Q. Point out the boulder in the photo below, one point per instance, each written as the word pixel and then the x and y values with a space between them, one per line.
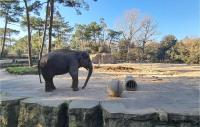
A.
pixel 9 111
pixel 85 113
pixel 43 112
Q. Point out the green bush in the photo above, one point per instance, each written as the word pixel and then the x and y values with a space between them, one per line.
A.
pixel 22 70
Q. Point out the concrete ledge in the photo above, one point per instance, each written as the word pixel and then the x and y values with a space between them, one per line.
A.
pixel 9 111
pixel 130 113
pixel 55 112
pixel 43 112
pixel 85 113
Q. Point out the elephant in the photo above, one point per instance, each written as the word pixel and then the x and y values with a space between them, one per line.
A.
pixel 62 61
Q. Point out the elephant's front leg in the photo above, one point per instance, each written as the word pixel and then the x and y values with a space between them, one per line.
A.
pixel 74 74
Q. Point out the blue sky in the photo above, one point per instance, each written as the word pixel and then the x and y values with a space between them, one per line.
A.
pixel 178 17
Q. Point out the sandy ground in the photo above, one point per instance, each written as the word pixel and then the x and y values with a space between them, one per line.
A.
pixel 150 78
pixel 169 87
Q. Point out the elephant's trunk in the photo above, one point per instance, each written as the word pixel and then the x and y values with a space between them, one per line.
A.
pixel 90 70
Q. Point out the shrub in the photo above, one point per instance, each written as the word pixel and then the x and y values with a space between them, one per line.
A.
pixel 22 70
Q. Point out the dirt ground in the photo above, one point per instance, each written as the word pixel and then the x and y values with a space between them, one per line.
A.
pixel 150 77
pixel 149 70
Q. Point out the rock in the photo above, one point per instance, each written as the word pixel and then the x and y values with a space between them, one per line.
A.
pixel 9 111
pixel 85 113
pixel 186 125
pixel 181 117
pixel 114 88
pixel 163 116
pixel 164 125
pixel 41 112
pixel 119 112
pixel 116 114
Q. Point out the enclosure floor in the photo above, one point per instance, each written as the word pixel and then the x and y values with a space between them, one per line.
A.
pixel 180 94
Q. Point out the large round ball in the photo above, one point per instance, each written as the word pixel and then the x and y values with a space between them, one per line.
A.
pixel 114 88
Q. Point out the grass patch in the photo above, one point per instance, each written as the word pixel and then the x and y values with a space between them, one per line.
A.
pixel 22 70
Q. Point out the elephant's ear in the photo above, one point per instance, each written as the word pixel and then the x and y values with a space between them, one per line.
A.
pixel 82 55
pixel 85 55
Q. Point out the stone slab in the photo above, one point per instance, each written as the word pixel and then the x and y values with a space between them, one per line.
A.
pixel 85 113
pixel 9 111
pixel 44 112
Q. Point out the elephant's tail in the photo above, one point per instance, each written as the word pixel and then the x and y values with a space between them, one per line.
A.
pixel 39 71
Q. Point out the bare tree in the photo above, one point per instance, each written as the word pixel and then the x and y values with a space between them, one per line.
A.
pixel 148 30
pixel 129 25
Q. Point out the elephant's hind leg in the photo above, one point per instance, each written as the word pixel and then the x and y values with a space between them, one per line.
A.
pixel 49 85
pixel 74 81
pixel 52 87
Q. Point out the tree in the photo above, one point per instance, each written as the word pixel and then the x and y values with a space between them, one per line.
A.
pixel 21 45
pixel 166 44
pixel 188 50
pixel 113 36
pixel 67 3
pixel 151 50
pixel 82 34
pixel 148 30
pixel 9 37
pixel 194 57
pixel 179 53
pixel 35 6
pixel 45 28
pixel 95 31
pixel 10 11
pixel 129 25
pixel 36 23
pixel 104 28
pixel 51 23
pixel 61 29
pixel 123 49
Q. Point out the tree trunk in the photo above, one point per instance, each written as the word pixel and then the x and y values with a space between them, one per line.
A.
pixel 4 37
pixel 51 23
pixel 45 29
pixel 29 34
pixel 143 46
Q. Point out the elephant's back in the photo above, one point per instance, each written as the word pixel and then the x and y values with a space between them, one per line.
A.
pixel 56 60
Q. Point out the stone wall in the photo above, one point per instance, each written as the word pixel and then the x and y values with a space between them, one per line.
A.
pixel 44 112
pixel 103 58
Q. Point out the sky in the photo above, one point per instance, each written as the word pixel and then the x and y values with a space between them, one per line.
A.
pixel 178 17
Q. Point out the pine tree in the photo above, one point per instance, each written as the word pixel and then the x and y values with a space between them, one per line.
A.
pixel 10 11
pixel 33 7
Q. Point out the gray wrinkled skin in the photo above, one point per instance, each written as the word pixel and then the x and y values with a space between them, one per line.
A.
pixel 64 61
